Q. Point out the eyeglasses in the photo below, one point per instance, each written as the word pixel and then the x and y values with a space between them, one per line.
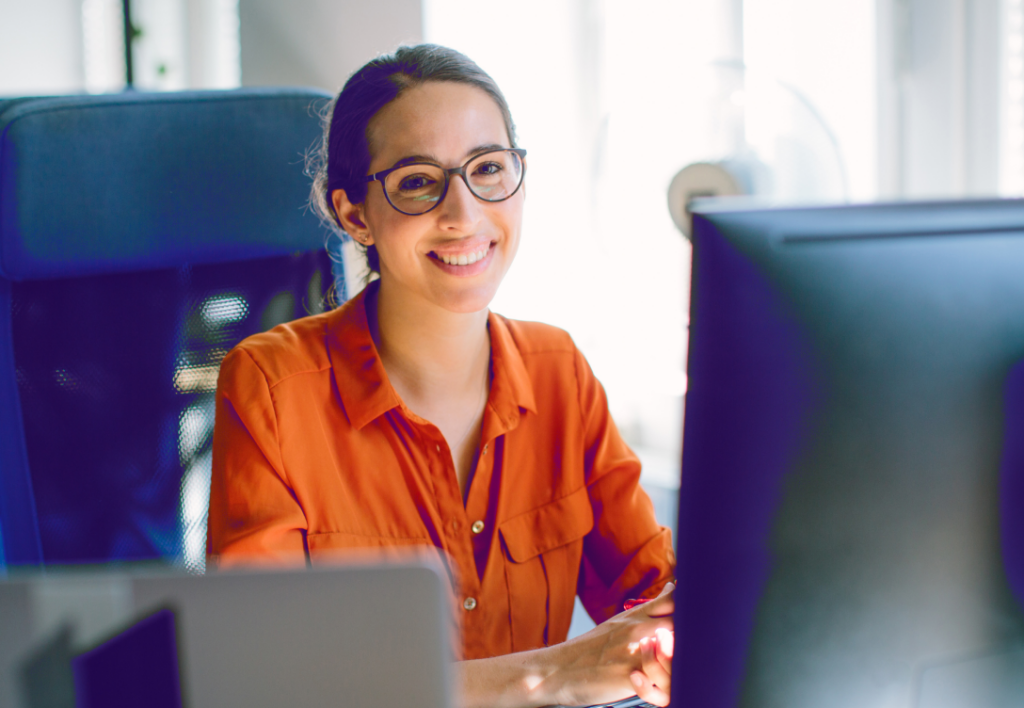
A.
pixel 418 187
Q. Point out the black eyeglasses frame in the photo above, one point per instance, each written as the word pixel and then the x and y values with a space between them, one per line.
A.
pixel 461 170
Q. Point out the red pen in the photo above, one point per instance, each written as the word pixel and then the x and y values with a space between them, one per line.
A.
pixel 632 602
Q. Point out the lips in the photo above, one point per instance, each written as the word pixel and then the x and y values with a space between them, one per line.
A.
pixel 465 262
pixel 463 257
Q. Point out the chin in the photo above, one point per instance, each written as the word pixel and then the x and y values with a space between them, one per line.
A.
pixel 474 300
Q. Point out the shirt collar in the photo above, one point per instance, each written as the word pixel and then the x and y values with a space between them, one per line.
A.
pixel 359 373
pixel 511 388
pixel 367 394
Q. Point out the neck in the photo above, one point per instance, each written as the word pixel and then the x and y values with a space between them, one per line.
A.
pixel 427 350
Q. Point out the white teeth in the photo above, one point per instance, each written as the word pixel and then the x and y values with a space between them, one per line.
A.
pixel 465 259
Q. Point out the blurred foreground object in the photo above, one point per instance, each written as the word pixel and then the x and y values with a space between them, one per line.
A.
pixel 851 520
pixel 361 635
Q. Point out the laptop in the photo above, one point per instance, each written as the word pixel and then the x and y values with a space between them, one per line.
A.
pixel 361 635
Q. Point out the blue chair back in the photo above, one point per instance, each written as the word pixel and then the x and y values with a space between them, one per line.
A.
pixel 141 237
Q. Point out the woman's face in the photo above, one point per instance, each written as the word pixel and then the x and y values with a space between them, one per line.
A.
pixel 446 123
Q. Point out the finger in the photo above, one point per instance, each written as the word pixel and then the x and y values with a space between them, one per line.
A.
pixel 656 671
pixel 666 643
pixel 663 604
pixel 649 626
pixel 647 690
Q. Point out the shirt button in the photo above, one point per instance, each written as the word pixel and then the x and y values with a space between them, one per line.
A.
pixel 470 603
pixel 485 449
pixel 437 447
pixel 477 526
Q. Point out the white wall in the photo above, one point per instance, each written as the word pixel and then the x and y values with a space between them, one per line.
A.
pixel 320 42
pixel 40 47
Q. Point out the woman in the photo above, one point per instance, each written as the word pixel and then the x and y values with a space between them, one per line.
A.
pixel 411 415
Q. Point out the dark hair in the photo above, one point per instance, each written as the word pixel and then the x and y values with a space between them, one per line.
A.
pixel 343 158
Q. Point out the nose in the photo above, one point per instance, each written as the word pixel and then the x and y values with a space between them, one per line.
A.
pixel 460 209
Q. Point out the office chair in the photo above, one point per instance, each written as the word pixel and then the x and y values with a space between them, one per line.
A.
pixel 141 237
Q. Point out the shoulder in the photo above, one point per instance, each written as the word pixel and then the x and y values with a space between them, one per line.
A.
pixel 547 355
pixel 537 339
pixel 287 350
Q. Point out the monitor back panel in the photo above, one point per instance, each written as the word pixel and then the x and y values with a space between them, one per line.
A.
pixel 852 502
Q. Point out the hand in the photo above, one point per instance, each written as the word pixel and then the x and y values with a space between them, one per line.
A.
pixel 630 653
pixel 654 683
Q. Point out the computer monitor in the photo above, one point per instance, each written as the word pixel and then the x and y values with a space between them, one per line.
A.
pixel 851 512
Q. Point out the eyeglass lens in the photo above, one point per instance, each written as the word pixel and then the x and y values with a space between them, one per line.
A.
pixel 492 176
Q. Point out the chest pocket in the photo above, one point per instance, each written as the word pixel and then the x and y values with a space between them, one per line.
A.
pixel 542 553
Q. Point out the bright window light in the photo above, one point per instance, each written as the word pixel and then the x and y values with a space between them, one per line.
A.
pixel 180 45
pixel 103 43
pixel 1012 163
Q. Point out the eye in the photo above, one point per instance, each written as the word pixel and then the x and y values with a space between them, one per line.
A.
pixel 489 168
pixel 414 183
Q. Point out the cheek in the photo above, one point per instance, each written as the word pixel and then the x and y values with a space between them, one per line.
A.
pixel 385 225
pixel 513 222
pixel 396 238
pixel 379 217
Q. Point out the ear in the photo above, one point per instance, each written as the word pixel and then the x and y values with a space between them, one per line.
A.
pixel 351 218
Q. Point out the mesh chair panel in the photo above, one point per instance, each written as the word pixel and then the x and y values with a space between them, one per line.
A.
pixel 116 375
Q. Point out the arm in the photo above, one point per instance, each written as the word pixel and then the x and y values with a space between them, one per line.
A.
pixel 254 516
pixel 626 555
pixel 606 664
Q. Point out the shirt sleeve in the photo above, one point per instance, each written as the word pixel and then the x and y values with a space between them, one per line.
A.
pixel 254 517
pixel 627 554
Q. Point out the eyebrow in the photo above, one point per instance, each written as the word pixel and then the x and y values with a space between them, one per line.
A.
pixel 430 158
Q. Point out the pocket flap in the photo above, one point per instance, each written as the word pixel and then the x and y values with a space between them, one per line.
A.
pixel 550 526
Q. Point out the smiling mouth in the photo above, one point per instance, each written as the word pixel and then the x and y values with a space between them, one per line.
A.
pixel 461 259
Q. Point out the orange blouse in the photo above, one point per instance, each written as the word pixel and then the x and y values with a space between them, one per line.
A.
pixel 315 454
